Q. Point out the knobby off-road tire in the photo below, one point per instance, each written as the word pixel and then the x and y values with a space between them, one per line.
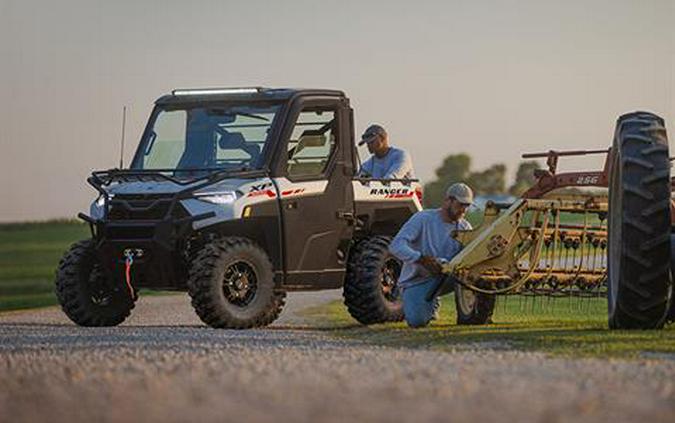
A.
pixel 371 291
pixel 639 281
pixel 85 295
pixel 231 283
pixel 473 308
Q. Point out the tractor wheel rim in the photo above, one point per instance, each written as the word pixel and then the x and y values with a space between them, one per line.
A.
pixel 467 299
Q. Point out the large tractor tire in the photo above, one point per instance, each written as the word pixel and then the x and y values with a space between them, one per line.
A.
pixel 639 281
pixel 85 295
pixel 473 308
pixel 231 283
pixel 371 291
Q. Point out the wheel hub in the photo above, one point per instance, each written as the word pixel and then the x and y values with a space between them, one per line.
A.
pixel 389 281
pixel 467 299
pixel 239 283
pixel 98 293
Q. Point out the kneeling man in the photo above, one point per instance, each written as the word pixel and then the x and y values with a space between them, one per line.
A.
pixel 422 242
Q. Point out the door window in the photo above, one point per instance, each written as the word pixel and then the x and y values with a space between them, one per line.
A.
pixel 312 143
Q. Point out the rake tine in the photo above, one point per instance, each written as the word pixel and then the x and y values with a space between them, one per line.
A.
pixel 595 256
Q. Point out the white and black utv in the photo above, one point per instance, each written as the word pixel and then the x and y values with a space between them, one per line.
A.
pixel 238 196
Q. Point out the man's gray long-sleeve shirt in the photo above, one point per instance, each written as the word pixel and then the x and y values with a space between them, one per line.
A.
pixel 425 234
pixel 396 164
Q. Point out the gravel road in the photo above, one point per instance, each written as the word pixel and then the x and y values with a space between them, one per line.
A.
pixel 164 365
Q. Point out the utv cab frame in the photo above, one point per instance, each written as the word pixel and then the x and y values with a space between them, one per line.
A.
pixel 238 196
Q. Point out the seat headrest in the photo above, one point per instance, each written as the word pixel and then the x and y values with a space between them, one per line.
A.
pixel 231 140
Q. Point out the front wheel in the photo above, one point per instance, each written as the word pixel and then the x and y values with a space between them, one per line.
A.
pixel 84 293
pixel 231 283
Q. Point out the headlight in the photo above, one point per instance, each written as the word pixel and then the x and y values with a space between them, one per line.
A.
pixel 100 201
pixel 217 197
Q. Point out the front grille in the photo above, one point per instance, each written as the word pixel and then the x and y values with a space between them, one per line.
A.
pixel 130 232
pixel 143 207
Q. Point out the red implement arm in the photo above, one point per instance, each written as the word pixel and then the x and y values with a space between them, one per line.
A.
pixel 548 180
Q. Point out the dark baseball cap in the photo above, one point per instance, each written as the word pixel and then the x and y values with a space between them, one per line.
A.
pixel 372 133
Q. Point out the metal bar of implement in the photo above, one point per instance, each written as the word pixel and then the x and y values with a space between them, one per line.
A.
pixel 563 153
pixel 537 259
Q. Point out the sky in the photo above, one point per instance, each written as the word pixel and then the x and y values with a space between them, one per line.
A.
pixel 493 79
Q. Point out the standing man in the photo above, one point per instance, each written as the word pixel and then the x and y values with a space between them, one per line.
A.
pixel 386 162
pixel 423 241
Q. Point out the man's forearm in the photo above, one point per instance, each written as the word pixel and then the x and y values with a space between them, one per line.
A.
pixel 400 245
pixel 403 251
pixel 399 167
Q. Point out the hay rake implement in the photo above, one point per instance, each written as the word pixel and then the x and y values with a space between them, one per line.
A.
pixel 584 246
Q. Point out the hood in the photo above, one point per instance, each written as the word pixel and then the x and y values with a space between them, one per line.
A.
pixel 168 187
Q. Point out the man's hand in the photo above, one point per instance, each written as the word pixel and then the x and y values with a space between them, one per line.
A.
pixel 431 264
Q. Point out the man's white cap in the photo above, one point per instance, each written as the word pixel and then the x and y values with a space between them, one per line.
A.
pixel 460 192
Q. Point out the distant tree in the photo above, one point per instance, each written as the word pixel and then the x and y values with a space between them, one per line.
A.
pixel 524 178
pixel 454 168
pixel 489 181
pixel 457 168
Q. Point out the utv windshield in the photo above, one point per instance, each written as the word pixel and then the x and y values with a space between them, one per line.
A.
pixel 215 137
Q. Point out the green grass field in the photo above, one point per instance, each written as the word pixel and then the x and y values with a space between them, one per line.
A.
pixel 29 255
pixel 567 327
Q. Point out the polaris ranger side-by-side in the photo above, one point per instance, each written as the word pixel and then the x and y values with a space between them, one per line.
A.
pixel 238 196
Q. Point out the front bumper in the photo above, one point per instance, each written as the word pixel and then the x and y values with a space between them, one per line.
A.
pixel 157 246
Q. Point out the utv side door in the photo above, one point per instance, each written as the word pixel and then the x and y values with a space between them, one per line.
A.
pixel 317 204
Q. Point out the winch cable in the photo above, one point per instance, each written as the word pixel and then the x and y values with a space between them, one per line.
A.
pixel 128 262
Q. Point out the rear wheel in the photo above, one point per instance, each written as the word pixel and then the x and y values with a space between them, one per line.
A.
pixel 473 308
pixel 371 292
pixel 639 282
pixel 231 283
pixel 85 294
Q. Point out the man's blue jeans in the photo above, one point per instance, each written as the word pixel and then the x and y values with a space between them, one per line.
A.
pixel 417 311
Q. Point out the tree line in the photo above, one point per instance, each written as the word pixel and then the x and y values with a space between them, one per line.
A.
pixel 457 168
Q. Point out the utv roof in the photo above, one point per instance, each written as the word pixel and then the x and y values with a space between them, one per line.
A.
pixel 241 93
